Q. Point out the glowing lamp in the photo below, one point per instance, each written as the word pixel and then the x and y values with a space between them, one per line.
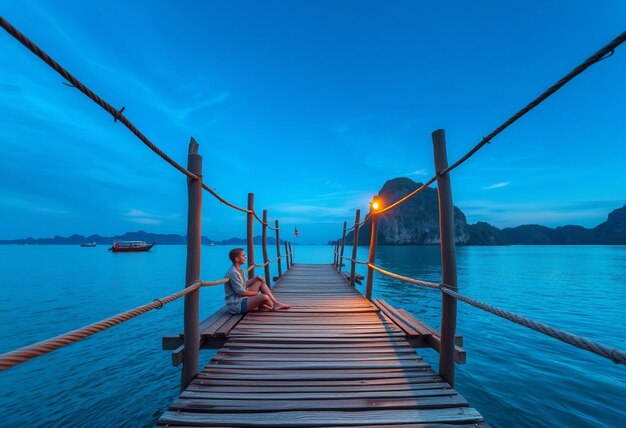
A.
pixel 376 204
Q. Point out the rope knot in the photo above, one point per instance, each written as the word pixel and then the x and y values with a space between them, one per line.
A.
pixel 160 302
pixel 118 114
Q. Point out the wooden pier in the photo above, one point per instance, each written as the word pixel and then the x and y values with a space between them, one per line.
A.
pixel 333 359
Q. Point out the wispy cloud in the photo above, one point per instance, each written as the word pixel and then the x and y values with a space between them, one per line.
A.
pixel 497 185
pixel 32 203
pixel 142 217
pixel 420 172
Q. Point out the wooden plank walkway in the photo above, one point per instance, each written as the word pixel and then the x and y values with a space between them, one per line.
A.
pixel 333 359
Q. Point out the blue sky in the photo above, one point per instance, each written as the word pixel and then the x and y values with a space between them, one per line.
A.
pixel 310 105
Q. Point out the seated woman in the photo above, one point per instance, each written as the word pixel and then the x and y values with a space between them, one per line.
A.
pixel 242 296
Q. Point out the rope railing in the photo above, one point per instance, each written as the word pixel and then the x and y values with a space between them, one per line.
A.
pixel 403 278
pixel 13 358
pixel 407 197
pixel 603 53
pixel 117 114
pixel 357 262
pixel 613 354
pixel 600 55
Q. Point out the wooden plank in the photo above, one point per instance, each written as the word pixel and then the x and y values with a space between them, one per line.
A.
pixel 311 357
pixel 311 396
pixel 354 384
pixel 196 386
pixel 234 405
pixel 333 359
pixel 336 376
pixel 324 418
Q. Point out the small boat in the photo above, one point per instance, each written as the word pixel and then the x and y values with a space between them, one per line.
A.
pixel 211 244
pixel 130 246
pixel 88 244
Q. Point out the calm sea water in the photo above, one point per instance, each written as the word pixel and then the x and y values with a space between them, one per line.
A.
pixel 514 376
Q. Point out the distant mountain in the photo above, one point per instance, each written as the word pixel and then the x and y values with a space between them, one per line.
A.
pixel 416 222
pixel 161 239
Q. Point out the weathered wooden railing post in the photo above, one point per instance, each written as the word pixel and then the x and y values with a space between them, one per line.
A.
pixel 194 233
pixel 448 258
pixel 280 267
pixel 287 255
pixel 372 255
pixel 335 255
pixel 250 234
pixel 265 256
pixel 290 254
pixel 355 243
pixel 343 245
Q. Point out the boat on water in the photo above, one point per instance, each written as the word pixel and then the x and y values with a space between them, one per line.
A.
pixel 88 244
pixel 130 246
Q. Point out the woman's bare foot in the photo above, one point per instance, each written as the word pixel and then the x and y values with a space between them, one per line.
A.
pixel 265 308
pixel 278 306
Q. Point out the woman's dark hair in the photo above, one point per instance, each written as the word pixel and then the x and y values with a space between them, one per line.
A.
pixel 232 255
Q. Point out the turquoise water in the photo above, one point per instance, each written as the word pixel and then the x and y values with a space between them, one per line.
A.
pixel 120 377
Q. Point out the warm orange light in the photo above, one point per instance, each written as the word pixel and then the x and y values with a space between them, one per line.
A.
pixel 375 205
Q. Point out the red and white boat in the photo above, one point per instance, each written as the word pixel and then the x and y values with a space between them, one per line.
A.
pixel 130 246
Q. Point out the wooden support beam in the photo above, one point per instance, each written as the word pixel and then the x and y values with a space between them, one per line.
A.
pixel 448 257
pixel 280 267
pixel 343 245
pixel 250 234
pixel 266 258
pixel 194 234
pixel 355 244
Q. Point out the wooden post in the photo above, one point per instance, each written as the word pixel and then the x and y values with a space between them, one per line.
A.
pixel 250 234
pixel 192 300
pixel 343 245
pixel 372 255
pixel 335 255
pixel 280 268
pixel 448 258
pixel 287 255
pixel 355 243
pixel 291 254
pixel 265 256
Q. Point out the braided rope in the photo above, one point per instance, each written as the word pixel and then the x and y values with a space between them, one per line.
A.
pixel 615 355
pixel 603 53
pixel 29 352
pixel 407 197
pixel 259 219
pixel 212 283
pixel 357 262
pixel 117 114
pixel 263 265
pixel 222 200
pixel 404 278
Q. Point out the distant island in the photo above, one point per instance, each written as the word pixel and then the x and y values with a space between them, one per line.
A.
pixel 161 239
pixel 416 222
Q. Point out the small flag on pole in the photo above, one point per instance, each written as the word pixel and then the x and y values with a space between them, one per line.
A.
pixel 295 231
